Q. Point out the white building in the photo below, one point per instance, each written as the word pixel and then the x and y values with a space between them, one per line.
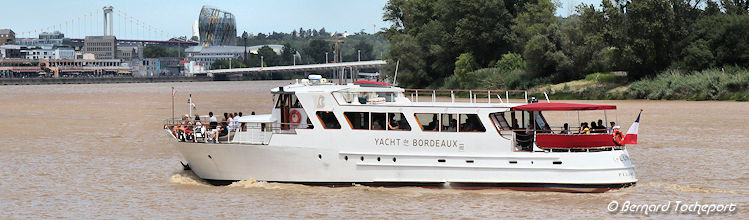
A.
pixel 49 54
pixel 195 30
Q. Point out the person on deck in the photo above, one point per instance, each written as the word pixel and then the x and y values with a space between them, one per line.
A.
pixel 212 121
pixel 565 129
pixel 392 124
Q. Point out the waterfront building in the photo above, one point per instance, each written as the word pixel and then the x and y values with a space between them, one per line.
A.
pixel 103 47
pixel 11 51
pixel 7 36
pixel 216 27
pixel 47 53
pixel 50 39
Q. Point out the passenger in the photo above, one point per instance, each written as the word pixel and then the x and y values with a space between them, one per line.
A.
pixel 236 120
pixel 220 131
pixel 231 123
pixel 611 129
pixel 212 121
pixel 601 126
pixel 432 126
pixel 586 129
pixel 253 113
pixel 565 129
pixel 225 121
pixel 198 125
pixel 593 127
pixel 466 127
pixel 392 124
pixel 244 125
pixel 453 126
pixel 581 129
pixel 403 124
pixel 515 123
pixel 377 126
pixel 180 128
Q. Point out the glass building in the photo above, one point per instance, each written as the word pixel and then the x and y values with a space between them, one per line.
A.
pixel 216 27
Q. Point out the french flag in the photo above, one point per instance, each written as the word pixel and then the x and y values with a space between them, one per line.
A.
pixel 631 137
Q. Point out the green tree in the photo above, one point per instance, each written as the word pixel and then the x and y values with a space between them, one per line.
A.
pixel 288 54
pixel 269 57
pixel 153 51
pixel 439 31
pixel 511 61
pixel 317 49
pixel 366 51
pixel 464 65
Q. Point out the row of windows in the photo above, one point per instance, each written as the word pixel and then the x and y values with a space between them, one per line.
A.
pixel 99 49
pixel 433 122
pixel 103 44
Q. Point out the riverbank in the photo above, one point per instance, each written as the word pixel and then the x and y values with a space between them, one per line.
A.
pixel 46 81
pixel 712 84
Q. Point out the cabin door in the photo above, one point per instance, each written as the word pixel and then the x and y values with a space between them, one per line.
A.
pixel 284 104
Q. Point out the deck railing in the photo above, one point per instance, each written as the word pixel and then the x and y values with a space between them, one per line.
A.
pixel 255 133
pixel 474 96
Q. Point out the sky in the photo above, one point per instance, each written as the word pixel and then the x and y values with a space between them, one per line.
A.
pixel 160 19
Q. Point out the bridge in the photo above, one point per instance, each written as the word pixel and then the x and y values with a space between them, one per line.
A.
pixel 352 67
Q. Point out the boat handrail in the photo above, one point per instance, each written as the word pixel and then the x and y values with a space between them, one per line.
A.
pixel 474 96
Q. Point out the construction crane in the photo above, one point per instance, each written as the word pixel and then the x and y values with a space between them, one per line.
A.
pixel 335 58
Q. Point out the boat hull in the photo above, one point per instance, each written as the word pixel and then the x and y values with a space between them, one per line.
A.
pixel 544 171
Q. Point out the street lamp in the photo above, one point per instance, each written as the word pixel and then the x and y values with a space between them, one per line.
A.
pixel 245 35
pixel 359 52
pixel 261 61
pixel 326 57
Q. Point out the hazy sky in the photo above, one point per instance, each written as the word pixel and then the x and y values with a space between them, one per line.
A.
pixel 77 18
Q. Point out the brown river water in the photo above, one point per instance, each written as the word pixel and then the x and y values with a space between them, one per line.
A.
pixel 98 151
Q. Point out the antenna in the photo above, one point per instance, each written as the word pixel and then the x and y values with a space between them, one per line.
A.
pixel 395 83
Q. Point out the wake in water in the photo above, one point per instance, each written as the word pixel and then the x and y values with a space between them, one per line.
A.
pixel 186 177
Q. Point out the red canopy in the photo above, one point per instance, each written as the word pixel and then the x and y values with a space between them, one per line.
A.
pixel 561 107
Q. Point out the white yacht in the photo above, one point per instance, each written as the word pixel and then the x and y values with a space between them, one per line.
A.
pixel 373 134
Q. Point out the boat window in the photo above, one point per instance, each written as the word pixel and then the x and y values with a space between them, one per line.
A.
pixel 471 123
pixel 378 121
pixel 358 120
pixel 328 120
pixel 500 121
pixel 389 96
pixel 449 123
pixel 428 121
pixel 397 121
pixel 294 100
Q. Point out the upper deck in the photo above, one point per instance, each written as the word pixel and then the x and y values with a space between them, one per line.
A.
pixel 367 94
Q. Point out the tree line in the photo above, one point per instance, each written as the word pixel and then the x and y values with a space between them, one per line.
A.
pixel 450 43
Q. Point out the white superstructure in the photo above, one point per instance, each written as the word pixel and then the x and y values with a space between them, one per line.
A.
pixel 321 133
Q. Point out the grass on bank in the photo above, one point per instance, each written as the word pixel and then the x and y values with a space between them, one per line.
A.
pixel 728 83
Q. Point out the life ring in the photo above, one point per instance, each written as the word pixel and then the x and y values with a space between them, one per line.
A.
pixel 618 138
pixel 295 117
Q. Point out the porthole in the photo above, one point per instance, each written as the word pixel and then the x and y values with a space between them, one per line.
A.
pixel 469 161
pixel 362 158
pixel 441 160
pixel 513 162
pixel 393 159
pixel 319 156
pixel 345 157
pixel 378 158
pixel 557 162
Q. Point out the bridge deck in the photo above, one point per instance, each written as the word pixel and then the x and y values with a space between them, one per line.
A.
pixel 298 68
